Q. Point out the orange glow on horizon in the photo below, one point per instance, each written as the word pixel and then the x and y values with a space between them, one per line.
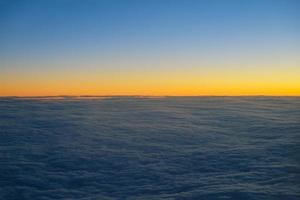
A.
pixel 160 82
pixel 150 88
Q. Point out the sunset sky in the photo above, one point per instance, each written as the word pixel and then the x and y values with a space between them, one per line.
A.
pixel 149 47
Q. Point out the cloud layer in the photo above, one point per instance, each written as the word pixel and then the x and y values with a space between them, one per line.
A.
pixel 150 148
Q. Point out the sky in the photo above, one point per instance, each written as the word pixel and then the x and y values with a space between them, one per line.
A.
pixel 149 47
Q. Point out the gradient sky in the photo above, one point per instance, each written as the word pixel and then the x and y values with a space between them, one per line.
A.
pixel 149 47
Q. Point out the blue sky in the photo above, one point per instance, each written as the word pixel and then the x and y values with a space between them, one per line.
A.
pixel 39 35
pixel 50 28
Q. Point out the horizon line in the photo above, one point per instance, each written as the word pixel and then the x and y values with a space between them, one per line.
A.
pixel 87 96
